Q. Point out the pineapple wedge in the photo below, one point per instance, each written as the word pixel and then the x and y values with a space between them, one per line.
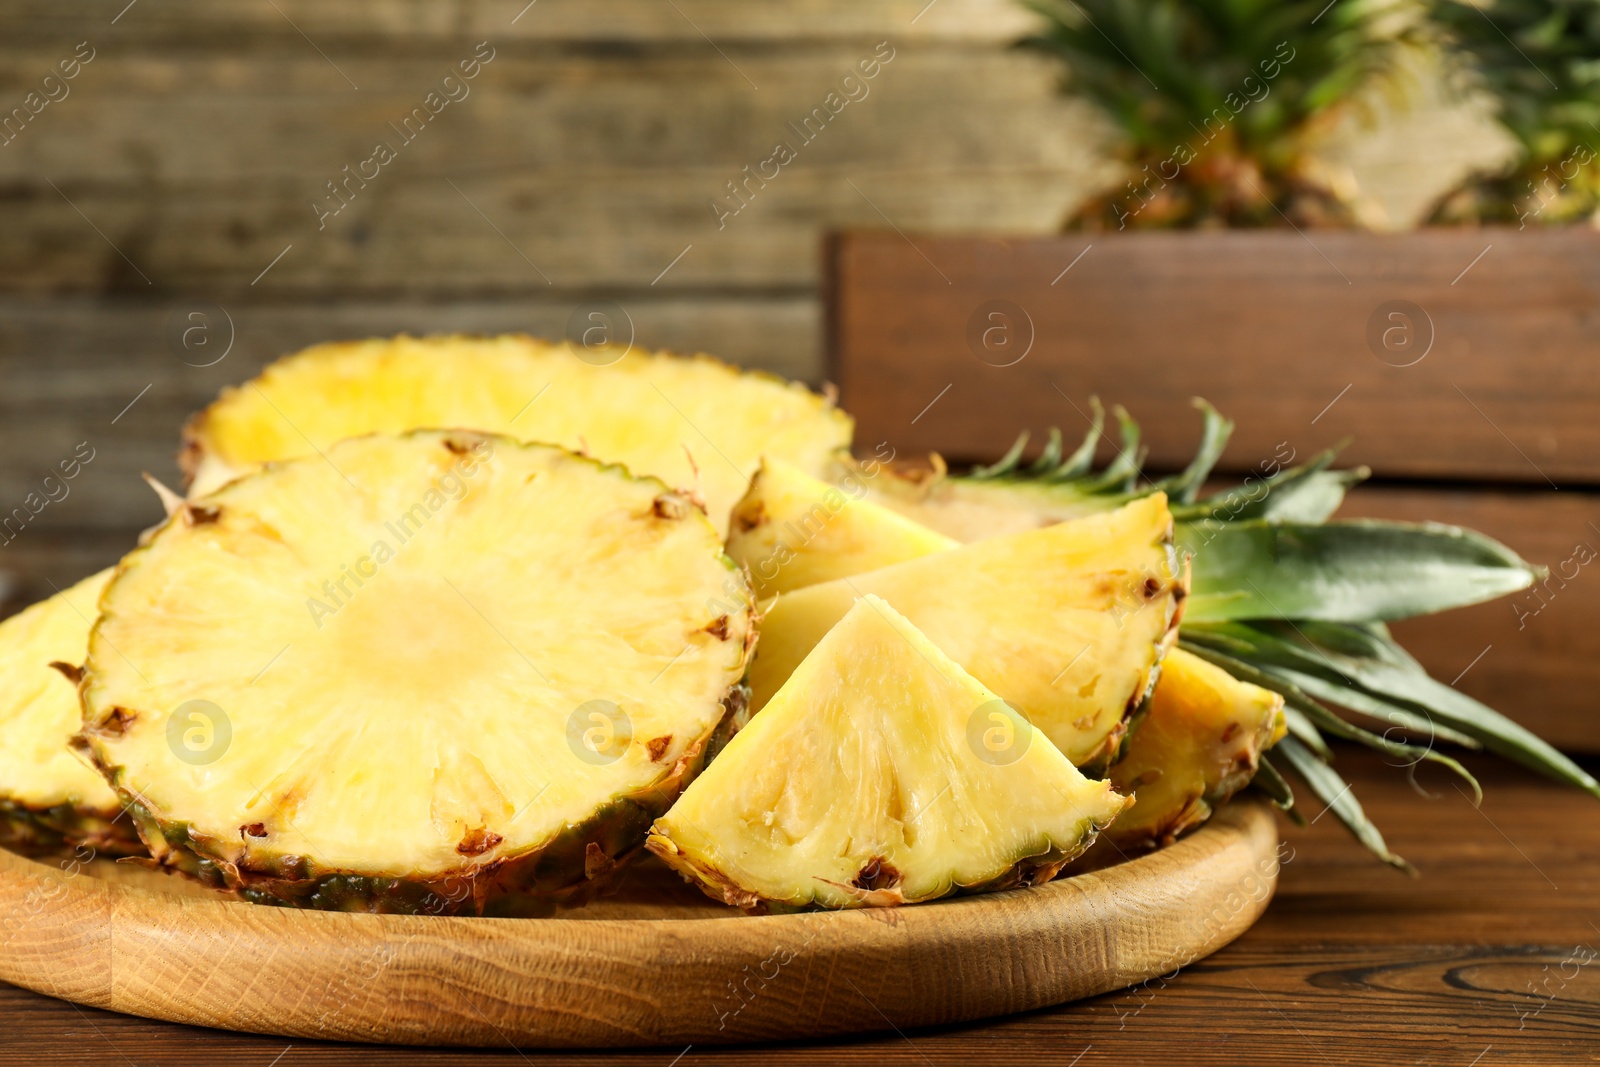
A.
pixel 50 800
pixel 416 674
pixel 1067 623
pixel 792 530
pixel 881 773
pixel 1199 742
pixel 692 422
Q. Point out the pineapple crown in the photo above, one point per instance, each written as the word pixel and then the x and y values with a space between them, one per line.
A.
pixel 1290 599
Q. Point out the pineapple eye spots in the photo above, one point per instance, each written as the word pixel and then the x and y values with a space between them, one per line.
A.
pixel 478 841
pixel 669 506
pixel 877 873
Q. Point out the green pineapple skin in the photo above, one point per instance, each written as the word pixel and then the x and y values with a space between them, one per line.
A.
pixel 566 871
pixel 64 830
pixel 1035 864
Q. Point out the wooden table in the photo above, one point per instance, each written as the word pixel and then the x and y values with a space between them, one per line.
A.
pixel 1487 959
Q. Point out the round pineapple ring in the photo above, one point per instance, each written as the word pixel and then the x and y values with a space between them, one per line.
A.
pixel 415 673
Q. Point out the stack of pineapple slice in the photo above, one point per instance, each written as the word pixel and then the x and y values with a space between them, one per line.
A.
pixel 50 800
pixel 386 657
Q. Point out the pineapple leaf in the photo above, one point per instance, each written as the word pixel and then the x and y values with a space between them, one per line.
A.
pixel 1356 570
pixel 1307 493
pixel 1335 792
pixel 1081 462
pixel 1273 784
pixel 1300 726
pixel 1322 718
pixel 1387 673
pixel 1341 692
pixel 1005 465
pixel 1050 458
pixel 1121 474
pixel 1183 488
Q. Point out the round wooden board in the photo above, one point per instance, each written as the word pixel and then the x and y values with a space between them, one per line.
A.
pixel 656 964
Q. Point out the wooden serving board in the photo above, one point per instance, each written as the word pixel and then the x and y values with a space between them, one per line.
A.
pixel 654 964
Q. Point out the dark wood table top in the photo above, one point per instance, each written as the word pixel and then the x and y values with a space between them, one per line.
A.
pixel 1486 959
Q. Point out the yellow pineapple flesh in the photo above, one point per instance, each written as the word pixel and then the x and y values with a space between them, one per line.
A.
pixel 792 530
pixel 881 773
pixel 1199 742
pixel 692 422
pixel 1067 623
pixel 416 673
pixel 51 799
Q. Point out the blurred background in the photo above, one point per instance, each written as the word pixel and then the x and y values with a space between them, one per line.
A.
pixel 204 192
pixel 191 190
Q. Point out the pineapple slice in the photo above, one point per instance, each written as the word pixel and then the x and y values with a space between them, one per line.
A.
pixel 416 673
pixel 50 800
pixel 1067 623
pixel 1199 742
pixel 792 530
pixel 690 422
pixel 881 773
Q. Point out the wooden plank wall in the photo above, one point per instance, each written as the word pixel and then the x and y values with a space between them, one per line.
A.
pixel 182 164
pixel 580 166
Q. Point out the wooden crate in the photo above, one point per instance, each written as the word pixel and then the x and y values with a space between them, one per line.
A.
pixel 1461 364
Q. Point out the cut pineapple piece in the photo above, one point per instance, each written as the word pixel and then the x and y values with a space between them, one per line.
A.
pixel 881 773
pixel 661 415
pixel 51 800
pixel 1066 623
pixel 967 510
pixel 414 674
pixel 1199 742
pixel 792 530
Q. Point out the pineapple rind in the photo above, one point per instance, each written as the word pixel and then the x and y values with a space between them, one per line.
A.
pixel 565 872
pixel 562 868
pixel 66 829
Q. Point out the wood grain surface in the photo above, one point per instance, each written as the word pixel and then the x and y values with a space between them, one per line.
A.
pixel 1270 326
pixel 1352 963
pixel 635 971
pixel 1534 655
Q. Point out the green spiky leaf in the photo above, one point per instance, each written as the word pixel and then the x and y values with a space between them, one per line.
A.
pixel 1362 659
pixel 1336 793
pixel 1214 434
pixel 1341 693
pixel 1360 570
pixel 1296 700
pixel 1269 781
